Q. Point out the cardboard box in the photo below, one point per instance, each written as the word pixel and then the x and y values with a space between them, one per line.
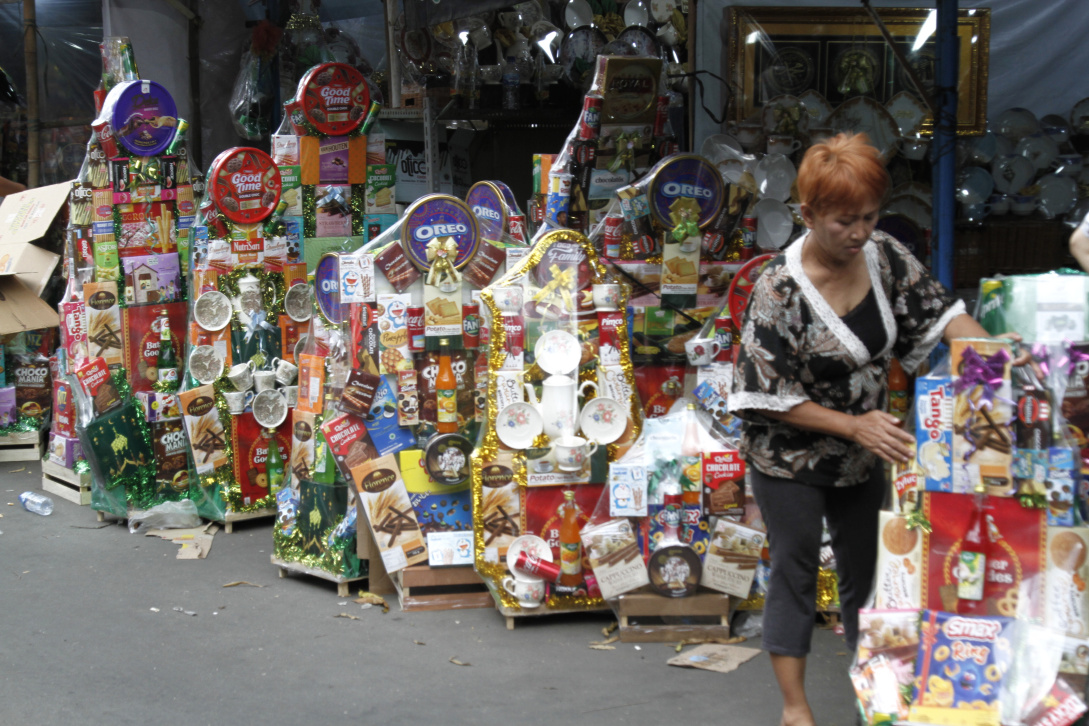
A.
pixel 64 450
pixel 899 564
pixel 25 269
pixel 730 563
pixel 389 513
pixel 934 431
pixel 1066 607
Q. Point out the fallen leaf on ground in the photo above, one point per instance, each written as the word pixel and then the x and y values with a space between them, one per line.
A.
pixel 419 642
pixel 605 642
pixel 78 526
pixel 369 598
pixel 236 583
pixel 601 646
pixel 346 615
pixel 455 661
pixel 607 630
pixel 16 471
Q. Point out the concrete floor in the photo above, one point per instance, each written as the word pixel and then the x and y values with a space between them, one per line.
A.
pixel 81 644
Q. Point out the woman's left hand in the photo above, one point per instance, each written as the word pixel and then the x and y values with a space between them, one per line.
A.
pixel 1023 357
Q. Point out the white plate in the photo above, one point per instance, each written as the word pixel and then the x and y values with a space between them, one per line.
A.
pixel 1040 149
pixel 641 40
pixel 205 364
pixel 518 425
pixel 974 185
pixel 731 170
pixel 862 114
pixel 1015 123
pixel 720 146
pixel 530 544
pixel 1058 195
pixel 298 303
pixel 817 106
pixel 636 13
pixel 913 208
pixel 578 13
pixel 1012 173
pixel 269 408
pixel 557 352
pixel 1079 117
pixel 920 191
pixel 908 112
pixel 774 176
pixel 530 12
pixel 981 149
pixel 662 10
pixel 785 116
pixel 212 310
pixel 603 420
pixel 774 223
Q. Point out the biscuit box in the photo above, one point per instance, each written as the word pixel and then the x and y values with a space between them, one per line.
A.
pixel 64 450
pixel 961 661
pixel 982 447
pixel 1066 607
pixel 64 408
pixel 934 431
pixel 899 564
pixel 1015 561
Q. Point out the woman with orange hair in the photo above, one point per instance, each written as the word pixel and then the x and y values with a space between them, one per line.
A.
pixel 810 385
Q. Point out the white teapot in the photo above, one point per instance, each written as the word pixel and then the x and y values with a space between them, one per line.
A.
pixel 558 405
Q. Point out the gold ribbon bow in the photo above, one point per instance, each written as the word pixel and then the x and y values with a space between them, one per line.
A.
pixel 441 253
pixel 626 145
pixel 558 289
pixel 916 518
pixel 683 212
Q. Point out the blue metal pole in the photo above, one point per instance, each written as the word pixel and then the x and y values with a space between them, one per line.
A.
pixel 944 142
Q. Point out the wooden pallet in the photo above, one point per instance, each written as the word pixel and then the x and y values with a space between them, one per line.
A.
pixel 22 447
pixel 643 616
pixel 65 483
pixel 343 583
pixel 231 517
pixel 422 587
pixel 512 615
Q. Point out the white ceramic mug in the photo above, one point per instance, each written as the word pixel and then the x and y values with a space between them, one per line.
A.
pixel 263 381
pixel 1000 204
pixel 529 593
pixel 818 134
pixel 914 148
pixel 241 376
pixel 1069 165
pixel 1022 205
pixel 606 296
pixel 508 299
pixel 238 400
pixel 701 351
pixel 572 452
pixel 291 393
pixel 286 371
pixel 785 145
pixel 748 134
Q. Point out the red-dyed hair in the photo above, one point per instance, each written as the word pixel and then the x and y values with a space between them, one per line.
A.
pixel 843 172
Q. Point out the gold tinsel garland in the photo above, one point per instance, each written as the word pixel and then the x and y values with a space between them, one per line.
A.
pixel 488 447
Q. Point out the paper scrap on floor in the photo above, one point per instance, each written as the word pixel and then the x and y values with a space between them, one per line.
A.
pixel 195 543
pixel 713 657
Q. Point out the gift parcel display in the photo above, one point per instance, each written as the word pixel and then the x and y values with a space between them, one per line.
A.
pixel 980 599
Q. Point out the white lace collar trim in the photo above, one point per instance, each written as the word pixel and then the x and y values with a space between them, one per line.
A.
pixel 827 315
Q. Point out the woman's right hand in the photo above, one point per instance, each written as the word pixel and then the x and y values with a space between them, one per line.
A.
pixel 880 433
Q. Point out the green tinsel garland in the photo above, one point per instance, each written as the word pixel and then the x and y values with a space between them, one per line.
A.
pixel 338 558
pixel 23 425
pixel 359 192
pixel 309 211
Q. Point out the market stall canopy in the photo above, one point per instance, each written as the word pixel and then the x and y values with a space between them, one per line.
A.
pixel 24 267
pixel 425 13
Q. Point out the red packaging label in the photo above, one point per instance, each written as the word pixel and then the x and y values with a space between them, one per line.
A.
pixel 251 453
pixel 95 379
pixel 349 442
pixel 514 327
pixel 141 340
pixel 246 185
pixel 75 332
pixel 659 387
pixel 608 336
pixel 335 98
pixel 540 512
pixel 516 227
pixel 290 332
pixel 64 409
pixel 723 483
pixel 171 456
pixel 1014 582
pixel 485 263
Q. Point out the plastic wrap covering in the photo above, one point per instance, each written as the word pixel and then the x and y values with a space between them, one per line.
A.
pixel 68 72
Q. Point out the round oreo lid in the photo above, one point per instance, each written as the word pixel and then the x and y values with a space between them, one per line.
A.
pixel 684 177
pixel 245 184
pixel 438 216
pixel 334 98
pixel 508 196
pixel 488 205
pixel 143 116
pixel 327 288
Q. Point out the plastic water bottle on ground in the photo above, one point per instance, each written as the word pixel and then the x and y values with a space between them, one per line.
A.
pixel 37 503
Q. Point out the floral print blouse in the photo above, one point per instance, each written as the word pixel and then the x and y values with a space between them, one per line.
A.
pixel 795 348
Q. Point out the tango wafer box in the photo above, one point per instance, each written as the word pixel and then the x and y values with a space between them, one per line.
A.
pixel 934 431
pixel 960 667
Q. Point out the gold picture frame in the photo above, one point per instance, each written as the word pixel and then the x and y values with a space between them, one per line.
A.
pixel 836 51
